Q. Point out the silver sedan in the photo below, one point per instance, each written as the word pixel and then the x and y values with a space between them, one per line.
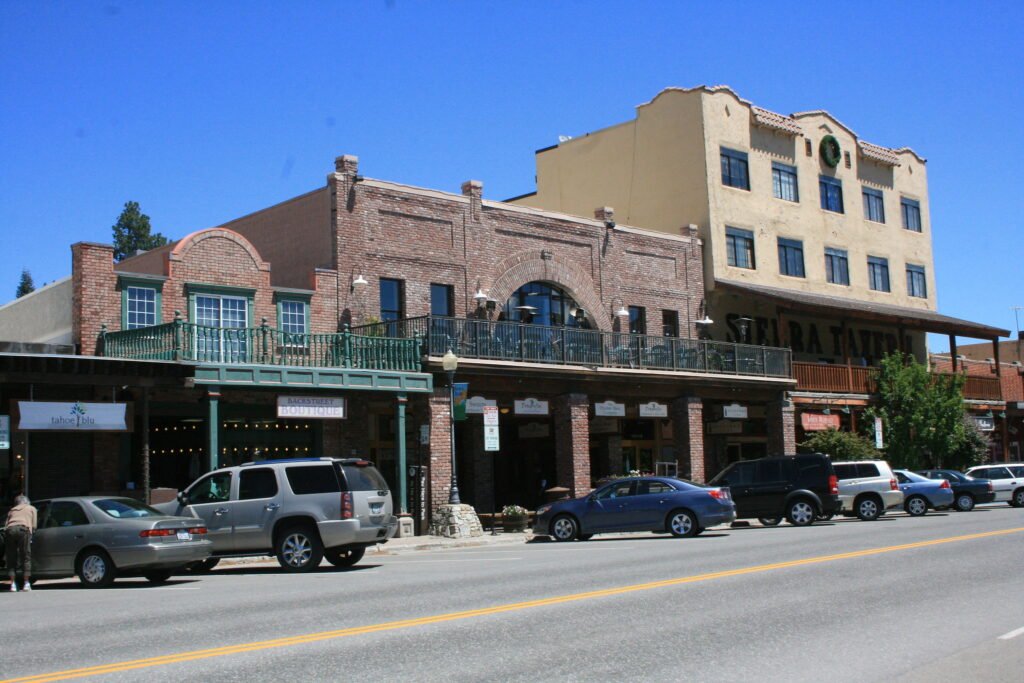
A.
pixel 99 538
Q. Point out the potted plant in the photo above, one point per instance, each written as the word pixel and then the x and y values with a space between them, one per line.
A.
pixel 514 518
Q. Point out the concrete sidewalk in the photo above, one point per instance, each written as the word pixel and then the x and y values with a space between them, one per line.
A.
pixel 410 544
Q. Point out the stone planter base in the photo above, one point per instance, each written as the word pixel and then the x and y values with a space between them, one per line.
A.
pixel 514 524
pixel 455 521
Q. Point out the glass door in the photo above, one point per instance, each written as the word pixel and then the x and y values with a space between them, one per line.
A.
pixel 221 321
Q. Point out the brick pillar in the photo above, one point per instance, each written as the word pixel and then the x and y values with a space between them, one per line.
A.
pixel 688 433
pixel 95 300
pixel 781 427
pixel 474 189
pixel 572 443
pixel 440 472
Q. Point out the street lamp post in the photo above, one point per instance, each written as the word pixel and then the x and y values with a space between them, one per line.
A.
pixel 450 362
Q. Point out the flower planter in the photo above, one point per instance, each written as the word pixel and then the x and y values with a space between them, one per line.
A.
pixel 514 524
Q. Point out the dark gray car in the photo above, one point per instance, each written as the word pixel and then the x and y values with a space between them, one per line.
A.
pixel 300 510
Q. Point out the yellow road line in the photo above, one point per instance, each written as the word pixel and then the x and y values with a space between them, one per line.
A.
pixel 469 614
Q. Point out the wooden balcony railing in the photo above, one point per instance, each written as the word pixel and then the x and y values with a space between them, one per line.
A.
pixel 859 379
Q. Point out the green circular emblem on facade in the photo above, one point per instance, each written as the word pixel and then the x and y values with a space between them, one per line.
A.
pixel 829 150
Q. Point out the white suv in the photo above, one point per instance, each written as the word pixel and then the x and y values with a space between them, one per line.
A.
pixel 1007 480
pixel 868 488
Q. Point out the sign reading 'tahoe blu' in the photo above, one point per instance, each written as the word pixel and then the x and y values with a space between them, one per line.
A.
pixel 71 417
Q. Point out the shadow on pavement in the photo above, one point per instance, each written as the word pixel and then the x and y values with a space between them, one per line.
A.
pixel 267 571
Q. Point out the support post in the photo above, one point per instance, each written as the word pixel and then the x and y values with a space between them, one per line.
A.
pixel 952 351
pixel 213 428
pixel 403 489
pixel 999 367
pixel 145 446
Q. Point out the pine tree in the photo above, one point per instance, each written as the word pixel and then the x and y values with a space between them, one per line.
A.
pixel 132 233
pixel 25 285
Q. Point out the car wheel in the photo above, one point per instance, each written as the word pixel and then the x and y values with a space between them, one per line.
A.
pixel 770 521
pixel 801 513
pixel 202 566
pixel 564 528
pixel 158 576
pixel 1018 499
pixel 683 524
pixel 965 502
pixel 916 506
pixel 344 557
pixel 868 509
pixel 95 569
pixel 299 549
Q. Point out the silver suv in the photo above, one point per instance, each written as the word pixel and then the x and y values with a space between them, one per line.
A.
pixel 868 488
pixel 301 510
pixel 1007 480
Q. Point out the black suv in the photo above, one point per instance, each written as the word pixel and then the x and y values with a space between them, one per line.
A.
pixel 800 488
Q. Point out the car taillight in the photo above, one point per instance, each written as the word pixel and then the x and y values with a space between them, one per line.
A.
pixel 346 505
pixel 990 487
pixel 200 530
pixel 720 494
pixel 152 533
pixel 833 484
pixel 893 485
pixel 944 484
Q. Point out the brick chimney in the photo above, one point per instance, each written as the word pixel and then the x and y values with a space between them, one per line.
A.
pixel 606 215
pixel 474 189
pixel 94 300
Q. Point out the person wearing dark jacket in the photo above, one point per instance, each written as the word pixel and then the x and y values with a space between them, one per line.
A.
pixel 21 522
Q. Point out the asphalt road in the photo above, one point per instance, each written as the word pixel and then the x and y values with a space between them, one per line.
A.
pixel 841 601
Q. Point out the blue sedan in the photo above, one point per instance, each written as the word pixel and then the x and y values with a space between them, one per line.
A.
pixel 921 493
pixel 660 504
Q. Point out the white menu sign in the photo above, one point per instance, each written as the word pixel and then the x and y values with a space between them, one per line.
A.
pixel 610 409
pixel 653 409
pixel 475 405
pixel 531 406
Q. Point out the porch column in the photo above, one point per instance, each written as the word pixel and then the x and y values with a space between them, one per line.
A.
pixel 403 474
pixel 213 428
pixel 145 446
pixel 440 471
pixel 781 427
pixel 952 351
pixel 572 443
pixel 688 433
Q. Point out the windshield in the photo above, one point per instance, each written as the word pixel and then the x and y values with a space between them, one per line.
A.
pixel 126 508
pixel 913 476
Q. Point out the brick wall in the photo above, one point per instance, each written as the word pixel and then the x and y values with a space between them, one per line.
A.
pixel 387 230
pixel 572 443
pixel 438 414
pixel 1011 382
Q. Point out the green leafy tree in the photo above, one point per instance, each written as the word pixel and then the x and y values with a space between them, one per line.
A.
pixel 922 414
pixel 971 446
pixel 25 284
pixel 841 445
pixel 132 232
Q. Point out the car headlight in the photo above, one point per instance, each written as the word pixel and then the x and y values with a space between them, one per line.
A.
pixel 543 510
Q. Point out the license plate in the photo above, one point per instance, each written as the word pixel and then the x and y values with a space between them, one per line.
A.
pixel 376 508
pixel 184 535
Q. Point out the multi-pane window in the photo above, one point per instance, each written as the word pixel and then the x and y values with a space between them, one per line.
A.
pixel 878 273
pixel 392 299
pixel 915 281
pixel 217 318
pixel 911 210
pixel 442 300
pixel 670 323
pixel 141 308
pixel 874 209
pixel 837 266
pixel 293 317
pixel 734 169
pixel 831 193
pixel 784 182
pixel 740 247
pixel 791 257
pixel 637 320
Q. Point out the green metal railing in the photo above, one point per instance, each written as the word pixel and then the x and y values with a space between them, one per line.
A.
pixel 184 341
pixel 525 343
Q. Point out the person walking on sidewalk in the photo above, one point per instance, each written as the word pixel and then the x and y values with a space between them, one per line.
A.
pixel 21 522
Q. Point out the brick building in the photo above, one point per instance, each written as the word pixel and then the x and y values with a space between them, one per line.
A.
pixel 581 331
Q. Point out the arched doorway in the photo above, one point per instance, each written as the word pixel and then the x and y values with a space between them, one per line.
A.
pixel 542 303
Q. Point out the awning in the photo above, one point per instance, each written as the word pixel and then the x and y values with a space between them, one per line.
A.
pixel 909 318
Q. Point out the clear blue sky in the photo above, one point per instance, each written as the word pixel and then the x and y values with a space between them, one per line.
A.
pixel 205 111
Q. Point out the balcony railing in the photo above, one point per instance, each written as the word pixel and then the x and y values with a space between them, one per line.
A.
pixel 858 379
pixel 263 345
pixel 525 343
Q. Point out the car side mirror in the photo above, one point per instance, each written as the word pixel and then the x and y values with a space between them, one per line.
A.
pixel 182 497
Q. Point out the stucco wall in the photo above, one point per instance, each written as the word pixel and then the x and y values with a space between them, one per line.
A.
pixel 43 316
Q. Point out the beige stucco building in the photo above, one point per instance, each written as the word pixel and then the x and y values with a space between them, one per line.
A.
pixel 664 170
